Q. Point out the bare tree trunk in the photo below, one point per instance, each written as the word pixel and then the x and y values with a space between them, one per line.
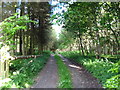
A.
pixel 20 43
pixel 23 44
pixel 98 46
pixel 27 42
pixel 31 46
pixel 80 43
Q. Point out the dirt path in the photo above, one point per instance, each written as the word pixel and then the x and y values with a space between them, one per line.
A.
pixel 48 77
pixel 81 78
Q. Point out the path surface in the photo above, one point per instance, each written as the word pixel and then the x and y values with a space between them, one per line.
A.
pixel 48 77
pixel 81 78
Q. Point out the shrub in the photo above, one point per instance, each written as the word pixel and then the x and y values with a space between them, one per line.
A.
pixel 23 71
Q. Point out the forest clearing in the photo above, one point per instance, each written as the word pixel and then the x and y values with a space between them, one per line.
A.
pixel 57 44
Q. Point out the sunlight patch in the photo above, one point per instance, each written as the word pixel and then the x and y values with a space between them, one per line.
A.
pixel 74 66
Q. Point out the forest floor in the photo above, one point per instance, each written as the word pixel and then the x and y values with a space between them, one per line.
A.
pixel 48 77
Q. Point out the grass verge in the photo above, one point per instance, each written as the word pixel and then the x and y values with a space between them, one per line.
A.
pixel 64 74
pixel 23 72
pixel 106 71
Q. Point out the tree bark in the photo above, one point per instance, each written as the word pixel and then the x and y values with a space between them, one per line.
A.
pixel 80 43
pixel 20 42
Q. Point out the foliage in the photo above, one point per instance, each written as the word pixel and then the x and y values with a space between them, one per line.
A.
pixel 11 25
pixel 95 25
pixel 33 38
pixel 104 70
pixel 65 39
pixel 8 28
pixel 112 58
pixel 23 71
pixel 64 74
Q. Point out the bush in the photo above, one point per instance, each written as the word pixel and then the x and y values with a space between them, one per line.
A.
pixel 23 72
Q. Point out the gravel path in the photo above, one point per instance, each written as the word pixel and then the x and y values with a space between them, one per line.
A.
pixel 81 78
pixel 48 77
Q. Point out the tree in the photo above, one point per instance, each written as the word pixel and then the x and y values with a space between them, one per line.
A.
pixel 33 39
pixel 95 24
pixel 8 28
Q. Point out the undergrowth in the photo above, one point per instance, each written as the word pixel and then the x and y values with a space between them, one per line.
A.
pixel 64 74
pixel 23 71
pixel 105 70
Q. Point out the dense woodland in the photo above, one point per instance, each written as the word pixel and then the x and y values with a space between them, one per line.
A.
pixel 90 27
pixel 93 28
pixel 37 36
pixel 90 36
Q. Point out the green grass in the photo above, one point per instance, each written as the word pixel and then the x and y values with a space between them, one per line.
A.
pixel 112 58
pixel 106 71
pixel 23 72
pixel 64 74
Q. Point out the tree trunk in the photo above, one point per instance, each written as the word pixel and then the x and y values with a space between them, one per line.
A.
pixel 1 65
pixel 82 49
pixel 20 42
pixel 98 46
pixel 23 44
pixel 80 43
pixel 31 47
pixel 1 5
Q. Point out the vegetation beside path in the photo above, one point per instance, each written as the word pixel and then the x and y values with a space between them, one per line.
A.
pixel 105 70
pixel 64 74
pixel 23 71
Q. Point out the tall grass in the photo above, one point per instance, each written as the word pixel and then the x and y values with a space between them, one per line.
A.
pixel 64 74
